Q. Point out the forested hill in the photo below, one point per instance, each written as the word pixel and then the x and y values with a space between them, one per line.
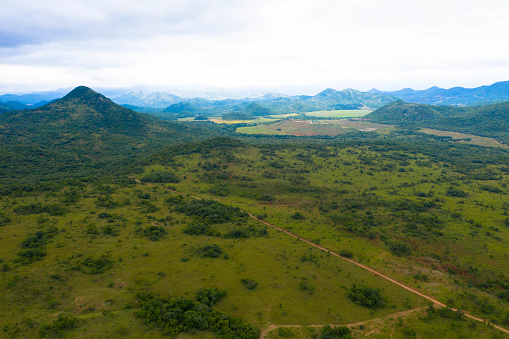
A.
pixel 83 130
pixel 488 120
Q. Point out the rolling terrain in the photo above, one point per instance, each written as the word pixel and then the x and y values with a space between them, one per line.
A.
pixel 117 224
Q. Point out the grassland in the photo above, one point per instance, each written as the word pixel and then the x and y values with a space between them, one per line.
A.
pixel 375 203
pixel 310 128
pixel 410 216
pixel 358 113
pixel 465 138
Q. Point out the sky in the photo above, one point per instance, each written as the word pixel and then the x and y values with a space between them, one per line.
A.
pixel 289 46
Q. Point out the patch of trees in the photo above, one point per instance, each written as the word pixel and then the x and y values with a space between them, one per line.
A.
pixel 179 315
pixel 366 296
pixel 38 208
pixel 4 220
pixel 207 211
pixel 153 232
pixel 250 284
pixel 456 192
pixel 199 228
pixel 221 190
pixel 340 332
pixel 237 116
pixel 209 251
pixel 161 177
pixel 32 248
pixel 58 326
pixel 92 265
pixel 210 296
pixel 245 233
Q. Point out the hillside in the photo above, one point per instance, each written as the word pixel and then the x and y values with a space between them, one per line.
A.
pixel 82 130
pixel 487 120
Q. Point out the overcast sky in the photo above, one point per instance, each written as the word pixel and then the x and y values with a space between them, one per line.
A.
pixel 286 45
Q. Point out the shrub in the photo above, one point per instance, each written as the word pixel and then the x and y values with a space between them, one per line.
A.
pixel 400 249
pixel 366 296
pixel 249 284
pixel 210 296
pixel 154 233
pixel 335 333
pixel 298 216
pixel 56 328
pixel 198 228
pixel 91 265
pixel 346 254
pixel 161 177
pixel 210 251
pixel 177 315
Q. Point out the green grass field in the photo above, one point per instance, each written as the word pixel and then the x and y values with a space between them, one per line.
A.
pixel 410 217
pixel 358 113
pixel 465 138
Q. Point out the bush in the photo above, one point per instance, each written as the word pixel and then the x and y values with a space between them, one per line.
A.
pixel 346 254
pixel 210 296
pixel 161 177
pixel 249 284
pixel 177 315
pixel 456 192
pixel 366 296
pixel 154 233
pixel 335 333
pixel 209 251
pixel 56 328
pixel 298 216
pixel 4 220
pixel 91 265
pixel 400 249
pixel 198 228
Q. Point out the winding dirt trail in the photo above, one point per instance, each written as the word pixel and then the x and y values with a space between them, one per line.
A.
pixel 408 288
pixel 391 317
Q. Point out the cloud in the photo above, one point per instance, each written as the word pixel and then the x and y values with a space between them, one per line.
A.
pixel 330 43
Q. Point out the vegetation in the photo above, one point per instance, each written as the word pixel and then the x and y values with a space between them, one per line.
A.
pixel 89 255
pixel 178 315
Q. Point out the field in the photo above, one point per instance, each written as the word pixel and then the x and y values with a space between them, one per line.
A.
pixel 309 128
pixel 339 113
pixel 87 249
pixel 465 138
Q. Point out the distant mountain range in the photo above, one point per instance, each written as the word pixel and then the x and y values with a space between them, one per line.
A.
pixel 329 99
pixel 456 96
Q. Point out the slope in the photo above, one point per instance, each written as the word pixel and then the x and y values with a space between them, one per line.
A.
pixel 488 120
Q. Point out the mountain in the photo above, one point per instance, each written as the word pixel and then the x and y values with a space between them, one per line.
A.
pixel 157 99
pixel 181 107
pixel 405 113
pixel 81 131
pixel 457 96
pixel 34 98
pixel 11 106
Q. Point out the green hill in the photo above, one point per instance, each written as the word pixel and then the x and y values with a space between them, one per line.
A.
pixel 487 120
pixel 81 132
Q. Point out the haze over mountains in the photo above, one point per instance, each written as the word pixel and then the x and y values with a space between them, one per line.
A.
pixel 206 101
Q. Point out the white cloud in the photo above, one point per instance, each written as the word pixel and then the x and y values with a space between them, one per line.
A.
pixel 362 44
